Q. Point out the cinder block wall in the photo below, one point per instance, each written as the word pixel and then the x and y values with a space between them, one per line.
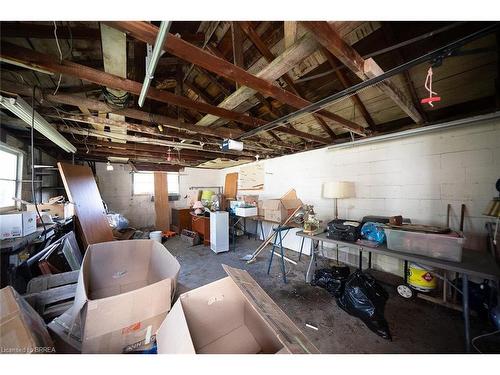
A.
pixel 415 176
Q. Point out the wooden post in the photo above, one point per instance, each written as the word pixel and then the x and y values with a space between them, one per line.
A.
pixel 162 208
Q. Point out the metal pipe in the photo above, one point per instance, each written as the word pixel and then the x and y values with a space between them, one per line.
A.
pixel 417 131
pixel 440 52
pixel 153 62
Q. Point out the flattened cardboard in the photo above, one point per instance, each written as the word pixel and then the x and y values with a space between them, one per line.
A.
pixel 124 292
pixel 223 317
pixel 22 330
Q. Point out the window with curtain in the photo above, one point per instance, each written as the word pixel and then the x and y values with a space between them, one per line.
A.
pixel 9 176
pixel 144 183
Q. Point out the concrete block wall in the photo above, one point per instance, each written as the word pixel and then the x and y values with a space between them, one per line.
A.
pixel 416 177
pixel 116 190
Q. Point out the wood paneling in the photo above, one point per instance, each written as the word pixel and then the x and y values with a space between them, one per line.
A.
pixel 82 191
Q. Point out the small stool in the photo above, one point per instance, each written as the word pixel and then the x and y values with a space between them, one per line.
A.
pixel 278 236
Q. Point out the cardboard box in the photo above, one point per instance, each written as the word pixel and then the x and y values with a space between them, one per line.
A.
pixel 246 211
pixel 124 292
pixel 229 316
pixel 59 210
pixel 18 224
pixel 278 210
pixel 250 199
pixel 22 330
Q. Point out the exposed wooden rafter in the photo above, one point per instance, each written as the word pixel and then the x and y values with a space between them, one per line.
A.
pixel 268 55
pixel 147 117
pixel 333 42
pixel 35 59
pixel 147 33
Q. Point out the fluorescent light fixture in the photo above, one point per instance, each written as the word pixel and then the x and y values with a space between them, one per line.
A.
pixel 109 167
pixel 157 52
pixel 24 111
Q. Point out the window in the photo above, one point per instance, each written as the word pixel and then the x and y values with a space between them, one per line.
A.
pixel 10 172
pixel 144 183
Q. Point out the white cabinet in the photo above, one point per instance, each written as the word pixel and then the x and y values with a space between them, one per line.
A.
pixel 219 231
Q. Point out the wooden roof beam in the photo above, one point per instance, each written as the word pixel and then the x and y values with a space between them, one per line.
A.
pixel 34 59
pixel 345 82
pixel 364 69
pixel 269 56
pixel 37 31
pixel 147 117
pixel 147 33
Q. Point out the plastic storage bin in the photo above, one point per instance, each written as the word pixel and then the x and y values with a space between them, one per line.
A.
pixel 441 246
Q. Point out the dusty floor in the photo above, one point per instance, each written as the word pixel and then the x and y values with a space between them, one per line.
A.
pixel 416 326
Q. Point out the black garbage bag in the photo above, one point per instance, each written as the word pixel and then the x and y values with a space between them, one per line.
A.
pixel 479 297
pixel 365 299
pixel 332 279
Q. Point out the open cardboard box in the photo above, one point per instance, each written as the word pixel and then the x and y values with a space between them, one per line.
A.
pixel 22 330
pixel 124 292
pixel 278 210
pixel 230 316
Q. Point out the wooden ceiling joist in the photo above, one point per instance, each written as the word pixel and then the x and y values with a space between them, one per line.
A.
pixel 64 31
pixel 37 60
pixel 147 33
pixel 269 56
pixel 364 69
pixel 11 52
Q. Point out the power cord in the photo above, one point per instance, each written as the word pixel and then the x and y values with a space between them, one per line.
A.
pixel 33 195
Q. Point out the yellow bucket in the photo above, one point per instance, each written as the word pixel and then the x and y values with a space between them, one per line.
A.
pixel 421 277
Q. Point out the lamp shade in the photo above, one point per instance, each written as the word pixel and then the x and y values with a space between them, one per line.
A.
pixel 338 189
pixel 198 204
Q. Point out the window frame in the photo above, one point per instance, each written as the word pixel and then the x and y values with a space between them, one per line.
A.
pixel 19 173
pixel 171 196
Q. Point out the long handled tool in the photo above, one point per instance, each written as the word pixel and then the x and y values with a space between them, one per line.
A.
pixel 251 257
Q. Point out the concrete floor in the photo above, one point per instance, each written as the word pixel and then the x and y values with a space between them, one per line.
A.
pixel 416 326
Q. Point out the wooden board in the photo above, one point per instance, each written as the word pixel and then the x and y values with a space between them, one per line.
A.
pixel 231 185
pixel 162 209
pixel 288 333
pixel 41 283
pixel 82 191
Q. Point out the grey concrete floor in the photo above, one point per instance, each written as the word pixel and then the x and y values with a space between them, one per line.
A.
pixel 416 326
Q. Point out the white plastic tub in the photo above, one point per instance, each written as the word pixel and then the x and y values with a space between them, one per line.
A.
pixel 441 246
pixel 156 236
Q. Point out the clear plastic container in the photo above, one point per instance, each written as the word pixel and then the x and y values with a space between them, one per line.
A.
pixel 441 246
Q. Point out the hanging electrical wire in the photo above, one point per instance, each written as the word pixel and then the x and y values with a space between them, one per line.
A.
pixel 60 57
pixel 32 142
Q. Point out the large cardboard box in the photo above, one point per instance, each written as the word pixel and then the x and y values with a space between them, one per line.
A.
pixel 22 330
pixel 18 224
pixel 278 210
pixel 59 210
pixel 229 316
pixel 124 292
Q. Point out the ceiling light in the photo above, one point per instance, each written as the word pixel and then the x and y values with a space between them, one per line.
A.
pixel 24 111
pixel 109 167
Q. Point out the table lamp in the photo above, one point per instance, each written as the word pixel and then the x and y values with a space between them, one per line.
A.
pixel 198 207
pixel 338 190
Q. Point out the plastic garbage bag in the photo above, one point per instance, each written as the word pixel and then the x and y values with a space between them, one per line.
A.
pixel 332 279
pixel 117 221
pixel 365 299
pixel 373 232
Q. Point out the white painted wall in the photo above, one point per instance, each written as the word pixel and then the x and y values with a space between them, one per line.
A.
pixel 116 190
pixel 416 177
